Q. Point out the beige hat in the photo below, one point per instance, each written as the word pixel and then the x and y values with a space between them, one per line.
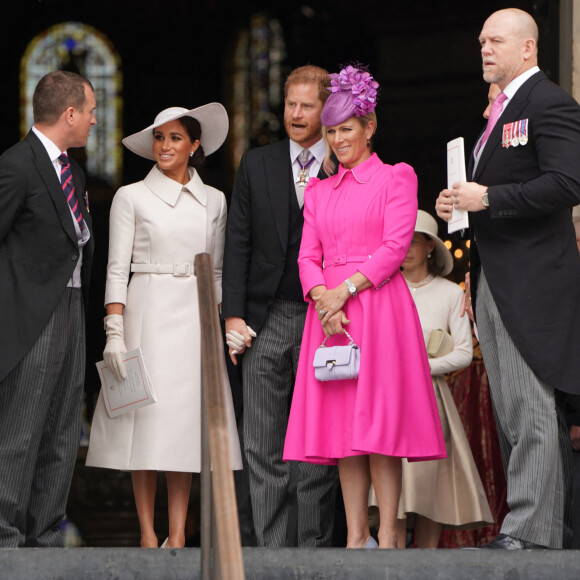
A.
pixel 212 117
pixel 426 224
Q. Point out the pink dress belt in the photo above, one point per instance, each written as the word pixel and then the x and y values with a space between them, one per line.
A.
pixel 336 260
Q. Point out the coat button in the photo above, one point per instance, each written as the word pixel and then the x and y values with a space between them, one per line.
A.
pixel 74 258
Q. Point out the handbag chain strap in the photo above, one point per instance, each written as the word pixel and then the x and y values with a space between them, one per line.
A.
pixel 345 332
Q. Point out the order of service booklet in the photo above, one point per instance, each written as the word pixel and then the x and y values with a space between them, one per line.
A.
pixel 456 172
pixel 135 391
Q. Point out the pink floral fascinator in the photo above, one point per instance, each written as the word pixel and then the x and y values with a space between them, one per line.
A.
pixel 353 92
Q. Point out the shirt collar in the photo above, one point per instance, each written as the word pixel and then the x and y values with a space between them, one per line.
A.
pixel 363 172
pixel 318 150
pixel 169 190
pixel 53 151
pixel 514 85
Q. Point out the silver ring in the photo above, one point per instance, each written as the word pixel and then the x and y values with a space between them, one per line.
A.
pixel 323 312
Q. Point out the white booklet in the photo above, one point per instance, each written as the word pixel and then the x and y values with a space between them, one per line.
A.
pixel 134 392
pixel 456 172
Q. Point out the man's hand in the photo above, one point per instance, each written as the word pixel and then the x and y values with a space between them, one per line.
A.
pixel 444 204
pixel 238 336
pixel 464 195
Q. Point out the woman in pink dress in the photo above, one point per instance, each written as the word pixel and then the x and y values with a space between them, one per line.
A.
pixel 358 225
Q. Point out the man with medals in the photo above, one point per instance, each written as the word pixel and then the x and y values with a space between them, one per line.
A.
pixel 525 277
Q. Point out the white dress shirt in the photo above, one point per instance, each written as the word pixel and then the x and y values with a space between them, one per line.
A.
pixel 82 236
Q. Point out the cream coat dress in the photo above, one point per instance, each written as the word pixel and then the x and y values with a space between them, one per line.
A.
pixel 159 221
pixel 448 491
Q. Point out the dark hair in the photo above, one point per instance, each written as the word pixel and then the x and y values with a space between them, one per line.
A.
pixel 434 266
pixel 193 128
pixel 57 91
pixel 309 74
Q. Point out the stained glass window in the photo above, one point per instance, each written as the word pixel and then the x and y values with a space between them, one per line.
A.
pixel 257 85
pixel 80 48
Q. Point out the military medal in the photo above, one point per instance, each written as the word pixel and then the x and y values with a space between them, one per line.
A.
pixel 515 140
pixel 303 177
pixel 507 136
pixel 523 138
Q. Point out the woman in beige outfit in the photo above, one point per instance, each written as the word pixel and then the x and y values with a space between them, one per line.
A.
pixel 157 226
pixel 447 492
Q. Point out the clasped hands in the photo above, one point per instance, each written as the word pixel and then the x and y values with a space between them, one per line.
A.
pixel 463 195
pixel 238 336
pixel 329 305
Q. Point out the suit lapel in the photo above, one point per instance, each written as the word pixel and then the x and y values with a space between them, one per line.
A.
pixel 512 112
pixel 279 182
pixel 48 175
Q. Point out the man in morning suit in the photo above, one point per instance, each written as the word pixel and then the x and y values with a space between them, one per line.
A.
pixel 46 247
pixel 524 177
pixel 264 311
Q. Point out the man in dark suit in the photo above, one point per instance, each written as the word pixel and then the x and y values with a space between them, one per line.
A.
pixel 264 311
pixel 46 247
pixel 525 275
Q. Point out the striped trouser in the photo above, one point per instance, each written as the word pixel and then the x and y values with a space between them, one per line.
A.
pixel 534 441
pixel 269 371
pixel 40 411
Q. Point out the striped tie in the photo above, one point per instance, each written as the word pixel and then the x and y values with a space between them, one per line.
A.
pixel 69 189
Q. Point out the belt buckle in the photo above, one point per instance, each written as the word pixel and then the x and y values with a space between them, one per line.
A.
pixel 181 269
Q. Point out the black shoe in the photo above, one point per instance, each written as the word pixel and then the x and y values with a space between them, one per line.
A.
pixel 505 542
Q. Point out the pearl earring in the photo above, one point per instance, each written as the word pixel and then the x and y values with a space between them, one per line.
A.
pixel 428 254
pixel 191 154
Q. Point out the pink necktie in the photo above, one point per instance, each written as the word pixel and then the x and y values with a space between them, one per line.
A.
pixel 494 114
pixel 69 189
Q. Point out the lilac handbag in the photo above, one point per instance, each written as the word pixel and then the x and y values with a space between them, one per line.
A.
pixel 337 363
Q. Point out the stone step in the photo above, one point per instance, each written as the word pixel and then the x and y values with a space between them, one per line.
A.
pixel 291 564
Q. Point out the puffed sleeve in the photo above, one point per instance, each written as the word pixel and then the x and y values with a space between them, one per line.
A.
pixel 121 238
pixel 399 224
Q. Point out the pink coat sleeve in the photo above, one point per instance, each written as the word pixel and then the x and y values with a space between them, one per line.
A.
pixel 400 218
pixel 310 257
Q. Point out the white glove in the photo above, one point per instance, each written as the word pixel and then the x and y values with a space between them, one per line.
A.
pixel 236 341
pixel 115 346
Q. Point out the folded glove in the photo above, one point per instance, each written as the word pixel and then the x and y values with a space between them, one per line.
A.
pixel 236 341
pixel 115 347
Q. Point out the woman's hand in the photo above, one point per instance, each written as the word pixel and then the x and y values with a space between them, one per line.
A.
pixel 238 336
pixel 335 324
pixel 331 302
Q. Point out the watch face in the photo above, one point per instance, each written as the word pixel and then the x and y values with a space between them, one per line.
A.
pixel 485 200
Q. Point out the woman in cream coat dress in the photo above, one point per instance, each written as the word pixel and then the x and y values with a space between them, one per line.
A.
pixel 157 226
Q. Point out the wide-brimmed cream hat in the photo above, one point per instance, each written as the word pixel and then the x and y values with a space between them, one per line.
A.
pixel 212 117
pixel 426 224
